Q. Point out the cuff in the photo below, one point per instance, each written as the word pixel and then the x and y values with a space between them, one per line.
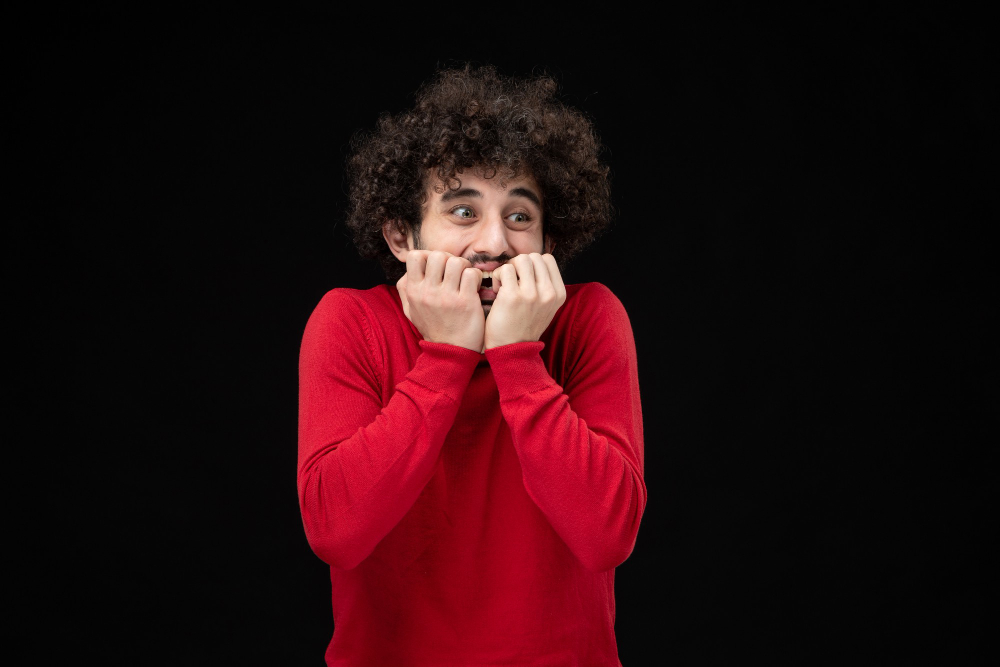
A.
pixel 444 368
pixel 518 369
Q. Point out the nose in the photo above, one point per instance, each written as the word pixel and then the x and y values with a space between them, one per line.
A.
pixel 492 237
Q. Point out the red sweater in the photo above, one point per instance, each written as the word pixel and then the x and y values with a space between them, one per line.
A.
pixel 472 507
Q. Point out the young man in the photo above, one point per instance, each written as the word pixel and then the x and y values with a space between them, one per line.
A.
pixel 470 439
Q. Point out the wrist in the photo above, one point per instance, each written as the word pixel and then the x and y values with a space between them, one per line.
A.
pixel 468 342
pixel 491 344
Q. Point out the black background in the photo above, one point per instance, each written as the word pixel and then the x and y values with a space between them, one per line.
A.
pixel 801 202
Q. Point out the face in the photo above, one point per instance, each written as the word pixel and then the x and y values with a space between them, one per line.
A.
pixel 485 221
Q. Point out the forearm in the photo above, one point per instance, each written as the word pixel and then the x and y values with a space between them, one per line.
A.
pixel 363 461
pixel 584 474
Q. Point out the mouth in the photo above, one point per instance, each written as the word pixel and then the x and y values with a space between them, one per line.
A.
pixel 486 293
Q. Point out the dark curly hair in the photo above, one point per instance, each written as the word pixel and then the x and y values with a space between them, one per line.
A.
pixel 474 117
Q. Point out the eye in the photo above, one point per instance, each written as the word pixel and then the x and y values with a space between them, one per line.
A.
pixel 519 218
pixel 464 212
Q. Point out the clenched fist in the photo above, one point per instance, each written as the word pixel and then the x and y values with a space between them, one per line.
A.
pixel 529 291
pixel 440 295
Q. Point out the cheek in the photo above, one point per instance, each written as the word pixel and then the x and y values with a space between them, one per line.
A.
pixel 527 241
pixel 440 237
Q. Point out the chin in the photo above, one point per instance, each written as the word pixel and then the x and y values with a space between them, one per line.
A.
pixel 486 309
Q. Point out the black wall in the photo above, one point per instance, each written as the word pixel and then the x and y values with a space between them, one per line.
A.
pixel 799 241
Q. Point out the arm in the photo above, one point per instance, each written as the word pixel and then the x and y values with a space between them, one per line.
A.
pixel 580 446
pixel 363 464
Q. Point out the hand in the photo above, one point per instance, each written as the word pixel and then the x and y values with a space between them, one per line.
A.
pixel 440 295
pixel 529 291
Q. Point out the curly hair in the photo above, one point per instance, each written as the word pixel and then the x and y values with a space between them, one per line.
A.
pixel 475 118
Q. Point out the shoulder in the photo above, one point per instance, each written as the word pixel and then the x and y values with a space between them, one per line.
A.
pixel 342 311
pixel 342 303
pixel 589 301
pixel 376 299
pixel 345 331
pixel 590 334
pixel 590 292
pixel 591 314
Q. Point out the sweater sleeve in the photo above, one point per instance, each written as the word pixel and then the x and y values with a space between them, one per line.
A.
pixel 362 464
pixel 581 447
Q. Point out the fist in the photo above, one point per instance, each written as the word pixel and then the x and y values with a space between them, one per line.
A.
pixel 529 291
pixel 440 295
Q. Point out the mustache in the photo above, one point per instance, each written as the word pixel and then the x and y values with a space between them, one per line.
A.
pixel 482 258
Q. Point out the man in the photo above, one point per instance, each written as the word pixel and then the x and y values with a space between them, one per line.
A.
pixel 470 440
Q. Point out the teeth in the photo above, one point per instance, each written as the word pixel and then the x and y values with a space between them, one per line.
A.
pixel 487 274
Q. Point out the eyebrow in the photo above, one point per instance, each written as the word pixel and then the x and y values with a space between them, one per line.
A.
pixel 472 192
pixel 527 194
pixel 460 193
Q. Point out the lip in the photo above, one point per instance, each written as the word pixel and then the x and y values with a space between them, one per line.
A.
pixel 487 266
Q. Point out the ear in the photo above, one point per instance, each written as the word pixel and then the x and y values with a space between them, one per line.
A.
pixel 399 242
pixel 549 244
